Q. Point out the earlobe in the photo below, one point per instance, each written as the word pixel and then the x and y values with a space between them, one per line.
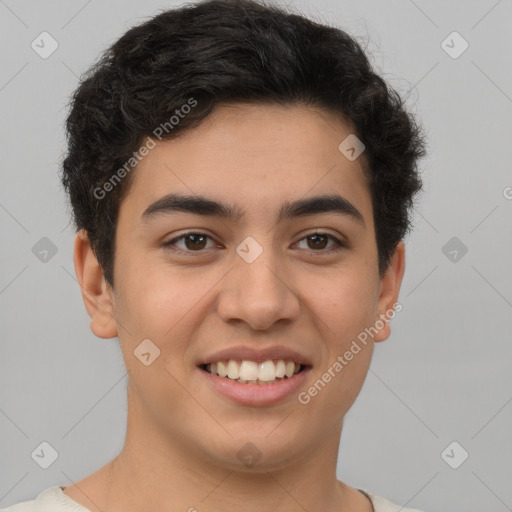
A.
pixel 96 293
pixel 389 291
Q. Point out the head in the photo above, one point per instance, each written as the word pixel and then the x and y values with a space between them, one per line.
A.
pixel 289 243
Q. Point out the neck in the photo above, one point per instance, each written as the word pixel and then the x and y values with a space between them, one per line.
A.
pixel 160 474
pixel 156 470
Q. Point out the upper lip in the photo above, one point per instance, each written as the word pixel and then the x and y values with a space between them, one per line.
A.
pixel 258 355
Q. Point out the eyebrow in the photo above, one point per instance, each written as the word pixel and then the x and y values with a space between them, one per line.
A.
pixel 200 205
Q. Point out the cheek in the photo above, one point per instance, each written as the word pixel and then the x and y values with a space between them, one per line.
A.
pixel 161 302
pixel 346 303
pixel 336 387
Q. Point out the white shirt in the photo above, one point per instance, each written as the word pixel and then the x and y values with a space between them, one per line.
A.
pixel 54 500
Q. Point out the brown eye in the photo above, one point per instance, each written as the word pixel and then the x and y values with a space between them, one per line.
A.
pixel 318 242
pixel 196 241
pixel 192 242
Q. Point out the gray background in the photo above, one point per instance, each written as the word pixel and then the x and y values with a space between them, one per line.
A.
pixel 444 374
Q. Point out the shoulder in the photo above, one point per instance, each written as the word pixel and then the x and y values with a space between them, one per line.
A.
pixel 24 506
pixel 381 504
pixel 51 499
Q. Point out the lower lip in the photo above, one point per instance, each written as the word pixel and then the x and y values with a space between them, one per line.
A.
pixel 256 394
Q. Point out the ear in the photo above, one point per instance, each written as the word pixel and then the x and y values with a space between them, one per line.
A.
pixel 389 290
pixel 96 293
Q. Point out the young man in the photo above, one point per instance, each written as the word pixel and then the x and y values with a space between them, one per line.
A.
pixel 241 183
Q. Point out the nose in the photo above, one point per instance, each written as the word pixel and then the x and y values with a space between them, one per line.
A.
pixel 259 294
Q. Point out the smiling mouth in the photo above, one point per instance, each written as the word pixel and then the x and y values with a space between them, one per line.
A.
pixel 250 372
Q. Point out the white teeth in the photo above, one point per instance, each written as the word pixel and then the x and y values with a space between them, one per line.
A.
pixel 250 372
pixel 233 370
pixel 267 371
pixel 221 369
pixel 280 369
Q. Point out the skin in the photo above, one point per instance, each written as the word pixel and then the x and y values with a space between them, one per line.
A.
pixel 183 437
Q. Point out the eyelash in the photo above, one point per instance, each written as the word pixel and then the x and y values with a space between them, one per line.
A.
pixel 339 244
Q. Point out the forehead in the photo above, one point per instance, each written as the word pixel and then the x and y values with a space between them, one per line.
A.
pixel 254 156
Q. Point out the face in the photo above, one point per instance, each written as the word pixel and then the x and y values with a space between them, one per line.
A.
pixel 256 274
